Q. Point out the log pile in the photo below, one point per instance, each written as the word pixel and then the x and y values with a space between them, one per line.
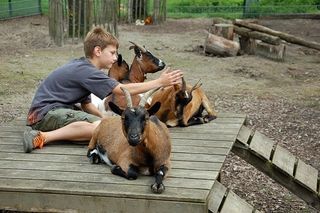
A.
pixel 226 38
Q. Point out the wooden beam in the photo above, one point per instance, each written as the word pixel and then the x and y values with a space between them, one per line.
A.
pixel 284 36
pixel 263 161
pixel 270 39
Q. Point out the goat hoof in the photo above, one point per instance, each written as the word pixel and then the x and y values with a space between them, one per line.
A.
pixel 93 157
pixel 157 188
pixel 209 118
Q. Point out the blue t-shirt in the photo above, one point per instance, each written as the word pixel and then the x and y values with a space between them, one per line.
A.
pixel 69 84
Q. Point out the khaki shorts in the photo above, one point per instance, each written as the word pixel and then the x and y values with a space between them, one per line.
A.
pixel 60 117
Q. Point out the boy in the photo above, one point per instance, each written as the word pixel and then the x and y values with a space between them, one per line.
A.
pixel 52 115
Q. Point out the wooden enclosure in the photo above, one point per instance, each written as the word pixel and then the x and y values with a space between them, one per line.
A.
pixel 73 18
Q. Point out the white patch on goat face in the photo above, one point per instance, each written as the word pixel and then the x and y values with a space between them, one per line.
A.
pixel 132 110
pixel 186 93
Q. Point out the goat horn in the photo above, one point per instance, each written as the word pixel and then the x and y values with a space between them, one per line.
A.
pixel 196 86
pixel 147 95
pixel 141 48
pixel 184 86
pixel 128 97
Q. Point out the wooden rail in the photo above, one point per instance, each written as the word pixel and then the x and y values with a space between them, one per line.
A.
pixel 279 164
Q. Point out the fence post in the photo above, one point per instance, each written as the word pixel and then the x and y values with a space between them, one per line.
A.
pixel 56 29
pixel 10 8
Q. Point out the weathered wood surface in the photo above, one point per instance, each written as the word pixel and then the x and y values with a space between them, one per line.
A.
pixel 284 36
pixel 245 32
pixel 274 52
pixel 59 177
pixel 224 200
pixel 220 46
pixel 279 164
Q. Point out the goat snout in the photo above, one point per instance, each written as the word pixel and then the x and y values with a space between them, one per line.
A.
pixel 134 139
pixel 161 65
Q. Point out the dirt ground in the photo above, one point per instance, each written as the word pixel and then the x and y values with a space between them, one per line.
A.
pixel 281 99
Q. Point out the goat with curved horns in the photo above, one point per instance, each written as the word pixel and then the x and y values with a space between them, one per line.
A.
pixel 144 147
pixel 183 105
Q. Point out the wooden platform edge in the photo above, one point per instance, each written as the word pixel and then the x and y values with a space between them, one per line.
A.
pixel 280 165
pixel 224 200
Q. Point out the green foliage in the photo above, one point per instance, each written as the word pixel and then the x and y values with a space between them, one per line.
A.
pixel 288 2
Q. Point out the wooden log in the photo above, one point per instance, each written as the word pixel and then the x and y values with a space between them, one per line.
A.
pixel 223 30
pixel 275 52
pixel 219 20
pixel 283 36
pixel 242 31
pixel 247 45
pixel 220 46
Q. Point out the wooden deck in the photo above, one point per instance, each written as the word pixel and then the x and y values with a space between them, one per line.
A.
pixel 59 177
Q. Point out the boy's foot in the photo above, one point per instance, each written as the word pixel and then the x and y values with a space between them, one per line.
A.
pixel 32 139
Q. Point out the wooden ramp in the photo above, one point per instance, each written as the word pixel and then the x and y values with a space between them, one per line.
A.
pixel 59 177
pixel 279 164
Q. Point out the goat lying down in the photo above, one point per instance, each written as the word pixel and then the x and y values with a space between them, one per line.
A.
pixel 143 147
pixel 183 105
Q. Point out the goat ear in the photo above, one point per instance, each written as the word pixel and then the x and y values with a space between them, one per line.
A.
pixel 120 60
pixel 154 109
pixel 137 51
pixel 115 108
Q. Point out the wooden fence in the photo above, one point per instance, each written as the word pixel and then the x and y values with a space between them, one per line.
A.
pixel 72 19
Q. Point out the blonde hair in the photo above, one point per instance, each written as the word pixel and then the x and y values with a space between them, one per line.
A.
pixel 98 37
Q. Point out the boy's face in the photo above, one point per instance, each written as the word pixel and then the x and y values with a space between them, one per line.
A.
pixel 108 56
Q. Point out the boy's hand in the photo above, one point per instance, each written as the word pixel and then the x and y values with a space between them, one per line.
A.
pixel 170 77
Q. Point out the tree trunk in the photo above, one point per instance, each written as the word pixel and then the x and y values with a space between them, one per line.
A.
pixel 220 46
pixel 223 30
pixel 247 45
pixel 283 36
pixel 275 52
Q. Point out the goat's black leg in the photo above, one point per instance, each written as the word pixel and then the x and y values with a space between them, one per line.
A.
pixel 195 121
pixel 132 172
pixel 93 156
pixel 158 186
pixel 208 118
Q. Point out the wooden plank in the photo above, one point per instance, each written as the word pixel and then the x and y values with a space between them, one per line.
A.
pixel 219 137
pixel 284 160
pixel 74 150
pixel 55 202
pixel 208 126
pixel 307 175
pixel 174 178
pixel 211 132
pixel 216 196
pixel 34 156
pixel 261 145
pixel 87 167
pixel 102 189
pixel 179 142
pixel 234 204
pixel 244 134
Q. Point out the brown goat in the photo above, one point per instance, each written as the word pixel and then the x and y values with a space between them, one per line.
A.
pixel 143 147
pixel 183 105
pixel 119 70
pixel 144 62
